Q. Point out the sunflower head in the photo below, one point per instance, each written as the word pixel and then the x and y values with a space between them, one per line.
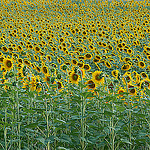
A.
pixel 87 67
pixel 125 67
pixel 120 92
pixel 45 70
pixel 97 77
pixel 132 89
pixel 63 67
pixel 91 85
pixel 74 77
pixel 141 64
pixel 8 64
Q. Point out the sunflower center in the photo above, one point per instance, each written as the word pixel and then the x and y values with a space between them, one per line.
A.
pixel 132 91
pixel 88 55
pixel 64 67
pixel 74 62
pixel 144 75
pixel 9 64
pixel 37 49
pixel 75 77
pixel 86 67
pixel 44 69
pixel 142 64
pixel 98 77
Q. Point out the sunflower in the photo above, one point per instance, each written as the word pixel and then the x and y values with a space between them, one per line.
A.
pixel 38 87
pixel 2 59
pixel 33 83
pixel 27 62
pixel 141 64
pixel 144 75
pixel 91 85
pixel 126 59
pixel 132 89
pixel 145 83
pixel 45 70
pixel 108 65
pixel 38 69
pixel 74 62
pixel 87 67
pixel 80 64
pixel 36 58
pixel 63 67
pixel 4 49
pixel 148 57
pixel 20 73
pixel 88 56
pixel 125 67
pixel 120 92
pixel 37 49
pixel 19 48
pixel 59 60
pixel 74 78
pixel 97 77
pixel 20 61
pixel 91 47
pixel 1 54
pixel 8 64
pixel 61 40
pixel 54 65
pixel 127 78
pixel 115 73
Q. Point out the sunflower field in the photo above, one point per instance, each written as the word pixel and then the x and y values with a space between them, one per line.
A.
pixel 74 75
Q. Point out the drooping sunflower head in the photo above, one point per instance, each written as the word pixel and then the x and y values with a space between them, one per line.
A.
pixel 120 92
pixel 132 89
pixel 87 67
pixel 8 64
pixel 91 84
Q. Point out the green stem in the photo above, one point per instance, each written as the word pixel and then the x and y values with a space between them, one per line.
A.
pixel 82 117
pixel 113 132
pixel 5 130
pixel 48 144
